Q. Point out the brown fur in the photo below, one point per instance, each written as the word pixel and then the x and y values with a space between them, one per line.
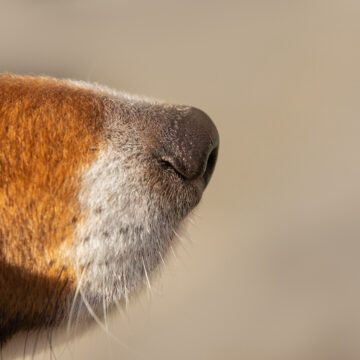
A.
pixel 48 132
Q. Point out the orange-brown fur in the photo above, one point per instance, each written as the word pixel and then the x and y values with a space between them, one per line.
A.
pixel 49 131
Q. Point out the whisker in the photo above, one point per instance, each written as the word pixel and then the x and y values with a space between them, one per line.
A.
pixel 162 259
pixel 173 252
pixel 104 307
pixel 109 333
pixel 52 353
pixel 123 288
pixel 146 275
pixel 45 310
pixel 92 312
pixel 179 237
pixel 126 290
pixel 97 319
pixel 73 303
pixel 182 242
pixel 78 316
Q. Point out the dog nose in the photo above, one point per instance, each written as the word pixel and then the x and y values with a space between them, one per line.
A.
pixel 190 145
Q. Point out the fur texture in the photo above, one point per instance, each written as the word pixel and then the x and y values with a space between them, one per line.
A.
pixel 87 209
pixel 46 132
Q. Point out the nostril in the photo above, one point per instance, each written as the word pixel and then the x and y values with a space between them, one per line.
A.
pixel 205 167
pixel 210 165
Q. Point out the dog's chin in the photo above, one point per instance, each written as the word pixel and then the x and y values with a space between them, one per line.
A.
pixel 125 237
pixel 105 284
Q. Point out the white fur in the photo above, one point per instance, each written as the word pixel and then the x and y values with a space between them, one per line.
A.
pixel 131 207
pixel 127 227
pixel 124 234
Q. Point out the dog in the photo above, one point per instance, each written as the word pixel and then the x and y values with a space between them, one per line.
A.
pixel 94 184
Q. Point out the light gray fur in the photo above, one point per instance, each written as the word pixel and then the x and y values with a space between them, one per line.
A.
pixel 132 205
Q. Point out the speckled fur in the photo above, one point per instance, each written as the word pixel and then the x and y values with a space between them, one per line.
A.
pixel 132 204
pixel 128 205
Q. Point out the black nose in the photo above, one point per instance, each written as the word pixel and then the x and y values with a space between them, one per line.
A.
pixel 191 144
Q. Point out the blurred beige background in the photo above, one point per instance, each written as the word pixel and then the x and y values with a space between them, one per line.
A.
pixel 271 268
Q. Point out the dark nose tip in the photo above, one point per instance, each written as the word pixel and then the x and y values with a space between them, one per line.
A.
pixel 191 146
